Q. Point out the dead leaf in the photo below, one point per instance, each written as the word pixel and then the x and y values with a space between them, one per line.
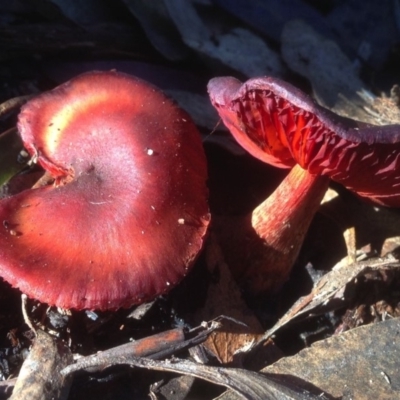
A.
pixel 334 77
pixel 359 364
pixel 234 46
pixel 330 289
pixel 160 30
pixel 39 378
pixel 322 61
pixel 233 339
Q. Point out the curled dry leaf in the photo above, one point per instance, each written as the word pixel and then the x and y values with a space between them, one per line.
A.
pixel 241 329
pixel 329 289
pixel 246 384
pixel 39 377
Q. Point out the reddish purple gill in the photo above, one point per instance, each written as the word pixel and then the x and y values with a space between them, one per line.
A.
pixel 282 126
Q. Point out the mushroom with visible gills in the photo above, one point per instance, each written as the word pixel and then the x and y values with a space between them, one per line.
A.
pixel 282 126
pixel 127 213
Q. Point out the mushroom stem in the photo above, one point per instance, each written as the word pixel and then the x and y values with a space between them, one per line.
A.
pixel 278 124
pixel 276 231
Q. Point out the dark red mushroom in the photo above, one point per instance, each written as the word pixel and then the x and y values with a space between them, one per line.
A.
pixel 127 213
pixel 282 126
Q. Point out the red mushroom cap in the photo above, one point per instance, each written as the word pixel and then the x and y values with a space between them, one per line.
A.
pixel 282 126
pixel 128 212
